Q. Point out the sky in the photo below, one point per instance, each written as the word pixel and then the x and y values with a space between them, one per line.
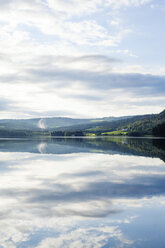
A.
pixel 81 58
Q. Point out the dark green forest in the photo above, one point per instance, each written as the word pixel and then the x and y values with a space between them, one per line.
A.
pixel 159 130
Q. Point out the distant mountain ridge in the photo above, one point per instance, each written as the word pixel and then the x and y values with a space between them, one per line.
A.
pixel 37 124
pixel 139 125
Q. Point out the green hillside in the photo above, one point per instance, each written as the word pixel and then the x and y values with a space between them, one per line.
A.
pixel 141 125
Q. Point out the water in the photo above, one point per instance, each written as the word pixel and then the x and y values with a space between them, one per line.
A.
pixel 88 193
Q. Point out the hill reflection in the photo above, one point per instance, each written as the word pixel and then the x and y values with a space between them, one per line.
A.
pixel 130 146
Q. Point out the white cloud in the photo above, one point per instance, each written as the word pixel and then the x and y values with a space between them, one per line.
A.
pixel 72 195
pixel 75 7
pixel 49 49
pixel 81 236
pixel 127 3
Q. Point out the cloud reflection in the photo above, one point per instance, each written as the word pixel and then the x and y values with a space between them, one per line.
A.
pixel 57 200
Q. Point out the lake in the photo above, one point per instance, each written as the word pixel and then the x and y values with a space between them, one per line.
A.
pixel 82 193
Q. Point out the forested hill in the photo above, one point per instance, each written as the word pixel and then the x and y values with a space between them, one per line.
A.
pixel 135 126
pixel 140 125
pixel 146 126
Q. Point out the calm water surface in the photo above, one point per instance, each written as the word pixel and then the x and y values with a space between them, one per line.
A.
pixel 82 193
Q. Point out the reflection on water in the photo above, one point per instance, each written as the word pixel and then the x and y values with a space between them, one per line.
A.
pixel 134 146
pixel 82 193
